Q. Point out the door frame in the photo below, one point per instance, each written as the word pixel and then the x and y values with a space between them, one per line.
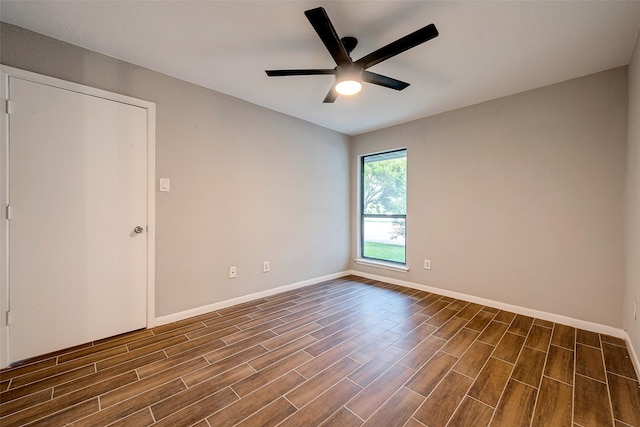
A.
pixel 5 73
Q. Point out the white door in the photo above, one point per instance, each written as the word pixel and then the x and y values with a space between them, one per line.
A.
pixel 77 191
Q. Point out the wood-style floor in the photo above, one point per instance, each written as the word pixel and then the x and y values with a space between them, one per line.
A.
pixel 348 352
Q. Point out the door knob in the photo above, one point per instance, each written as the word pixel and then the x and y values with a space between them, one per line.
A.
pixel 138 230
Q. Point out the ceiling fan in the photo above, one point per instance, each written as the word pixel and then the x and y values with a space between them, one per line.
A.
pixel 348 73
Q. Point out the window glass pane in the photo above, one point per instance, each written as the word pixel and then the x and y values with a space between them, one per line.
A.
pixel 383 238
pixel 384 183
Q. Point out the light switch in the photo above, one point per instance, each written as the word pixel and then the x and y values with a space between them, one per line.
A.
pixel 165 184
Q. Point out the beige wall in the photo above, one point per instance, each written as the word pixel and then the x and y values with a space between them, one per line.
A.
pixel 633 203
pixel 520 199
pixel 247 184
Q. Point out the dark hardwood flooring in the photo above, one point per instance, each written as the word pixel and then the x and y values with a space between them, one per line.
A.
pixel 348 352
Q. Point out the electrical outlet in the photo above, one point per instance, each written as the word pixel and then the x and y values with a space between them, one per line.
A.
pixel 427 264
pixel 233 272
pixel 265 267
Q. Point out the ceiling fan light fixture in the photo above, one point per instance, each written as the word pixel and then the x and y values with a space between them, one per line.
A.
pixel 348 79
pixel 350 74
pixel 348 87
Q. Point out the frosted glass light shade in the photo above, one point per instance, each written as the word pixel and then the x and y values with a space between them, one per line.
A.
pixel 348 87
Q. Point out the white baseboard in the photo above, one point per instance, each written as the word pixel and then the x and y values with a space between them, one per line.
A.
pixel 634 356
pixel 163 320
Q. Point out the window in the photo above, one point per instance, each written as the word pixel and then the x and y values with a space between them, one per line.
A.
pixel 383 206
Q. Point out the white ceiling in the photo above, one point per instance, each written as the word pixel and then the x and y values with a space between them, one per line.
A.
pixel 486 49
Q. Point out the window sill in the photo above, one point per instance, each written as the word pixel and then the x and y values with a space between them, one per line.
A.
pixel 382 264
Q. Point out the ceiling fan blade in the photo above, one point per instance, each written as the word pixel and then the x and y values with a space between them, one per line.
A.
pixel 320 21
pixel 307 72
pixel 380 80
pixel 392 49
pixel 331 96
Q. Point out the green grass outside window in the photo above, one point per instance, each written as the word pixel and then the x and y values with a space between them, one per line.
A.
pixel 384 251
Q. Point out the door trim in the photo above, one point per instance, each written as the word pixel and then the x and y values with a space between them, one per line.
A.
pixel 5 73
